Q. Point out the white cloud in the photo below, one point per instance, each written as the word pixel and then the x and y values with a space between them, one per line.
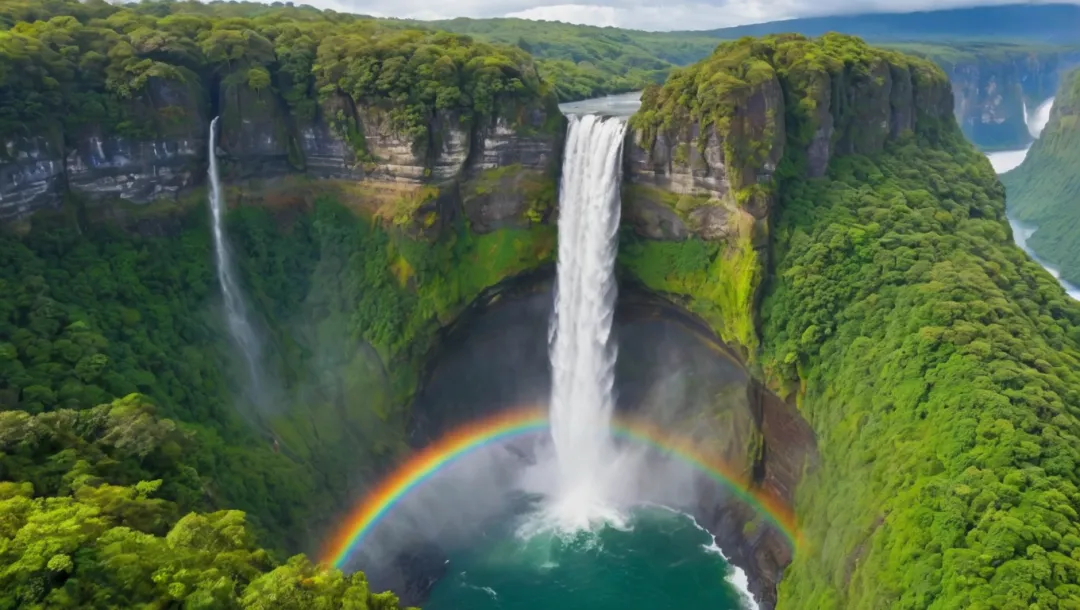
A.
pixel 640 14
pixel 585 14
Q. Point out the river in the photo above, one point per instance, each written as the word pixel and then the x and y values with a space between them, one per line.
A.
pixel 1008 160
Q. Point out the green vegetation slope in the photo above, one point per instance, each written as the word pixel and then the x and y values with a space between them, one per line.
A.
pixel 938 365
pixel 586 61
pixel 99 321
pixel 1045 190
pixel 72 64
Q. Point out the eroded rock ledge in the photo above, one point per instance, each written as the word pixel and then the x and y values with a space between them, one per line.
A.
pixel 261 141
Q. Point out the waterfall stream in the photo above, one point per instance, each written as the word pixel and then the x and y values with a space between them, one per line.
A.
pixel 581 351
pixel 1037 121
pixel 236 313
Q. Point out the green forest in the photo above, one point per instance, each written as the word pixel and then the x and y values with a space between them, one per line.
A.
pixel 938 365
pixel 585 61
pixel 1044 192
pixel 135 472
pixel 941 369
pixel 121 447
pixel 108 318
pixel 71 65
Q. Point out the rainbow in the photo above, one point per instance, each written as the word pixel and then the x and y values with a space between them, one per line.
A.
pixel 424 464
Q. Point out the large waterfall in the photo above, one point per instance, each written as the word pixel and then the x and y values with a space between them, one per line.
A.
pixel 236 316
pixel 582 354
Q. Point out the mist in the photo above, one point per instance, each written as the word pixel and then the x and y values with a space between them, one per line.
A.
pixel 671 373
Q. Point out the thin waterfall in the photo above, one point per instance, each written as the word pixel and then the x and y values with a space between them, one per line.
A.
pixel 581 351
pixel 236 312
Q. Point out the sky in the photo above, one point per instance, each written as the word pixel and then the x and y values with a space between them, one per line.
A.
pixel 639 14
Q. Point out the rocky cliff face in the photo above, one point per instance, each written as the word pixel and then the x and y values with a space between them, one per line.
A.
pixel 103 167
pixel 405 176
pixel 682 180
pixel 992 94
pixel 704 152
pixel 31 176
pixel 97 163
pixel 709 178
pixel 787 448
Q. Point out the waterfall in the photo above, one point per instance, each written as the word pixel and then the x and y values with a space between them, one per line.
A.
pixel 240 328
pixel 1037 122
pixel 581 353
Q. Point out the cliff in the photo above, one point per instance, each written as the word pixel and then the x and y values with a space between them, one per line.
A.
pixel 343 142
pixel 412 117
pixel 98 161
pixel 373 193
pixel 864 252
pixel 996 84
pixel 703 157
pixel 1044 191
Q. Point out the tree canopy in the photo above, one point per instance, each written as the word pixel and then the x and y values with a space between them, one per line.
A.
pixel 77 64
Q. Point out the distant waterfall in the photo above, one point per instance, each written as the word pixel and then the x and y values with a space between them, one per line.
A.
pixel 240 329
pixel 1037 121
pixel 582 355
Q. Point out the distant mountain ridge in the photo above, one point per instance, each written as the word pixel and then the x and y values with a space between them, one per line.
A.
pixel 1056 23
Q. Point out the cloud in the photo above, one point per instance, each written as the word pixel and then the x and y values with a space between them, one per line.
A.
pixel 641 14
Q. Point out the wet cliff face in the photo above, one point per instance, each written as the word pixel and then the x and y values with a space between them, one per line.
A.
pixel 991 94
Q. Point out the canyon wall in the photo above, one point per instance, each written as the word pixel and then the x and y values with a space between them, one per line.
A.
pixel 992 90
pixel 498 169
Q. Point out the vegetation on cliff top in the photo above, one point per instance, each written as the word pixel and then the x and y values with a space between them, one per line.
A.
pixel 79 64
pixel 584 61
pixel 92 315
pixel 1045 190
pixel 749 93
pixel 716 92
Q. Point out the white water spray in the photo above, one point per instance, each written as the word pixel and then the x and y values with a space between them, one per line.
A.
pixel 240 328
pixel 1037 121
pixel 1008 160
pixel 581 352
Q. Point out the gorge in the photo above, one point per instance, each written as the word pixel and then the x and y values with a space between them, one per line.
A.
pixel 818 302
pixel 1042 189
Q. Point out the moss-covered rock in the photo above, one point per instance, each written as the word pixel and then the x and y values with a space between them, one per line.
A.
pixel 705 151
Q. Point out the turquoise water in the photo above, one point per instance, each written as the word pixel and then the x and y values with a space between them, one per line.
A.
pixel 661 561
